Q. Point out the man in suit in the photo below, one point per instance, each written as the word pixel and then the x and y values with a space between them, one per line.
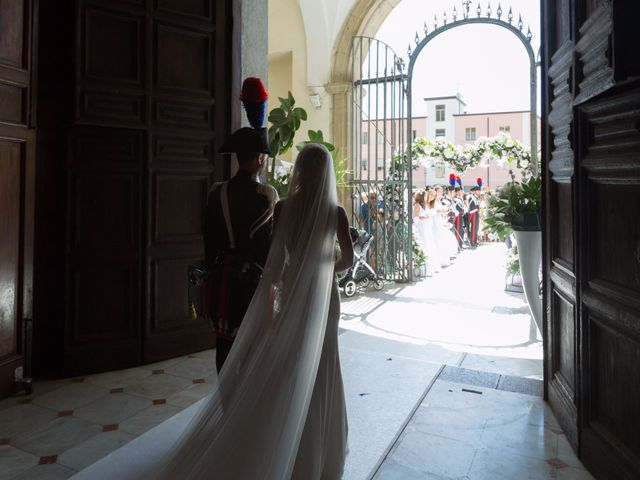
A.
pixel 235 256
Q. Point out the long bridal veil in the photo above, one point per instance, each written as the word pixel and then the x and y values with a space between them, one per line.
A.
pixel 250 426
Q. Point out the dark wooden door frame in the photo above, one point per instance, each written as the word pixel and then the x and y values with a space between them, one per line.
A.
pixel 591 145
pixel 17 138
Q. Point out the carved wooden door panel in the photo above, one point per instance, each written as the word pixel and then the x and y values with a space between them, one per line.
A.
pixel 140 163
pixel 592 241
pixel 16 185
pixel 181 136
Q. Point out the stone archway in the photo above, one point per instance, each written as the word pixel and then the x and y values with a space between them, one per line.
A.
pixel 365 18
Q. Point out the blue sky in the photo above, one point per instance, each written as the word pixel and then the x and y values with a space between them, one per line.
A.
pixel 486 64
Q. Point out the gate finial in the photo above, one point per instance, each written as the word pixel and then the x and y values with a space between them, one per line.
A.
pixel 510 15
pixel 520 22
pixel 499 11
pixel 444 17
pixel 489 10
pixel 479 10
pixel 454 14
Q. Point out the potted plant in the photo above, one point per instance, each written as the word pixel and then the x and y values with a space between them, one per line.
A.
pixel 515 208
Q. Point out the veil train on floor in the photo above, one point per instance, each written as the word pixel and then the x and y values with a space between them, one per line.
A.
pixel 250 426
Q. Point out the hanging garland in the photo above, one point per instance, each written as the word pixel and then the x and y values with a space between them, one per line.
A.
pixel 502 148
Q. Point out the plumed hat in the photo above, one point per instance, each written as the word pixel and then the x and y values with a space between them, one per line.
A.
pixel 254 139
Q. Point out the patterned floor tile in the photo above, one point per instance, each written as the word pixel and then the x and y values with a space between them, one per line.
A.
pixel 98 446
pixel 14 461
pixel 193 368
pixel 56 436
pixel 47 472
pixel 71 396
pixel 112 408
pixel 149 418
pixel 190 395
pixel 21 419
pixel 118 378
pixel 158 386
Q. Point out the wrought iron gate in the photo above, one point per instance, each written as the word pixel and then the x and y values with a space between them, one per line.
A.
pixel 381 177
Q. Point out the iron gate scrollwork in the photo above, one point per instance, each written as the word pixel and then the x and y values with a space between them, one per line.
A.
pixel 380 176
pixel 382 132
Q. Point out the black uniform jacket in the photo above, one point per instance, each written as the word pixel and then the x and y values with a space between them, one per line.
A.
pixel 251 206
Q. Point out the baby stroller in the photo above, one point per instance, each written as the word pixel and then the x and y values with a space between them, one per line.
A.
pixel 360 274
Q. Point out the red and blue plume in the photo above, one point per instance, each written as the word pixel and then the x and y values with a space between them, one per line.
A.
pixel 479 182
pixel 254 98
pixel 459 181
pixel 452 179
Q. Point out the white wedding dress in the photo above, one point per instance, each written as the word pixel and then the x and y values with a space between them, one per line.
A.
pixel 278 409
pixel 446 242
pixel 323 445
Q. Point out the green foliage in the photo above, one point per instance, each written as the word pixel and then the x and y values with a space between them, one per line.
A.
pixel 513 264
pixel 281 183
pixel 419 257
pixel 510 203
pixel 285 121
pixel 339 163
pixel 501 148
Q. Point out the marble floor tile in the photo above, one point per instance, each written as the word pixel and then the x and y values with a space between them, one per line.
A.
pixel 447 422
pixel 149 418
pixel 118 378
pixel 495 406
pixel 10 402
pixel 71 396
pixel 205 354
pixel 57 436
pixel 433 455
pixel 95 448
pixel 190 395
pixel 394 471
pixel 164 364
pixel 47 472
pixel 40 387
pixel 499 464
pixel 192 368
pixel 566 453
pixel 158 386
pixel 571 473
pixel 13 461
pixel 23 418
pixel 521 367
pixel 112 408
pixel 520 437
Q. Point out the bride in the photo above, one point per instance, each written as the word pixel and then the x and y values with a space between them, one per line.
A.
pixel 278 411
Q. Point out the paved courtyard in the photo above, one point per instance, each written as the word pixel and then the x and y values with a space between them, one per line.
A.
pixel 442 377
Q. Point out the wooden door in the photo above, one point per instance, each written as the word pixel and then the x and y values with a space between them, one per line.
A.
pixel 139 164
pixel 16 186
pixel 592 242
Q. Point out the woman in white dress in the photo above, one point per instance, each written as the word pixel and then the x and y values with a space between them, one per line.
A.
pixel 278 409
pixel 445 239
pixel 434 262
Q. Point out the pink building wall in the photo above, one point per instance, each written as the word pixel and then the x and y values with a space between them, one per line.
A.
pixel 488 125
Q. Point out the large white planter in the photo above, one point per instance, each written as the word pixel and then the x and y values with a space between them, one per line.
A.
pixel 530 256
